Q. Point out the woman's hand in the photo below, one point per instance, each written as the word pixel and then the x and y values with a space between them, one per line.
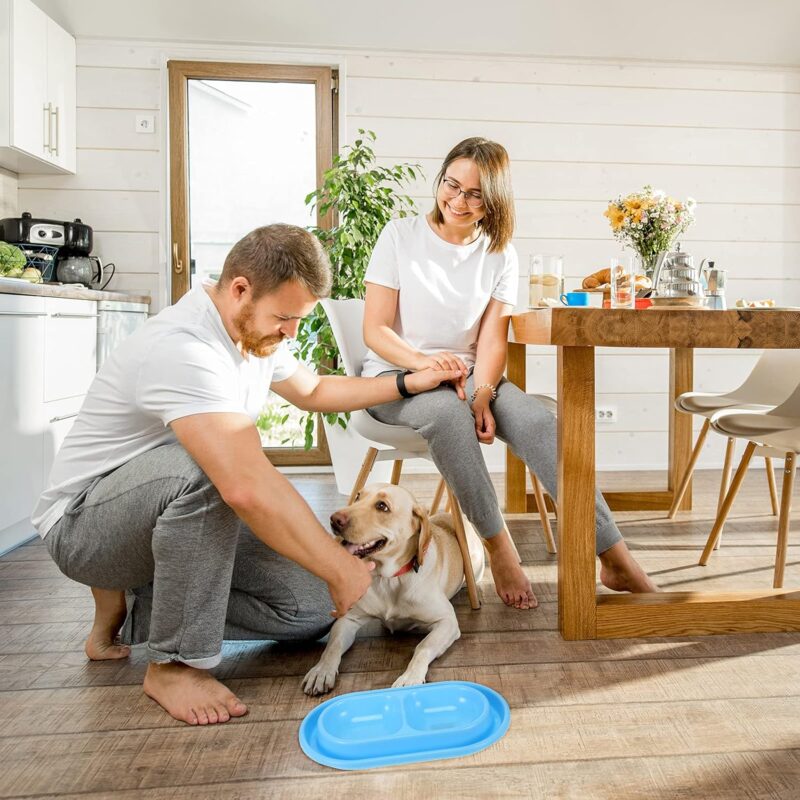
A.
pixel 484 419
pixel 445 361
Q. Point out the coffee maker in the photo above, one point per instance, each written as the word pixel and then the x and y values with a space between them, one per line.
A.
pixel 59 250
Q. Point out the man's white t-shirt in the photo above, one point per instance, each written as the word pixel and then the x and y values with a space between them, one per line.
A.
pixel 181 362
pixel 444 288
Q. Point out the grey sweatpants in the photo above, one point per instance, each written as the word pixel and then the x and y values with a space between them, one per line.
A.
pixel 194 573
pixel 522 422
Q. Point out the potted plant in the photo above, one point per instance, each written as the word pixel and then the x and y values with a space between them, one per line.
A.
pixel 362 196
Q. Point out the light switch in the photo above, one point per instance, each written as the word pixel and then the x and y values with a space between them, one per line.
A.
pixel 145 123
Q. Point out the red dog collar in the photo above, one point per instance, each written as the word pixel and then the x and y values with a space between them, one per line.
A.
pixel 413 564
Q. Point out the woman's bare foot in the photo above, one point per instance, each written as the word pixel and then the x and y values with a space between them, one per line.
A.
pixel 109 614
pixel 620 571
pixel 510 580
pixel 191 695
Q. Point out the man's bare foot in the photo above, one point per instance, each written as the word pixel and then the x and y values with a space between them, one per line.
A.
pixel 620 571
pixel 191 695
pixel 109 614
pixel 510 580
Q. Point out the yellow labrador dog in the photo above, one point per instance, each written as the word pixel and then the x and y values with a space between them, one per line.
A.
pixel 418 568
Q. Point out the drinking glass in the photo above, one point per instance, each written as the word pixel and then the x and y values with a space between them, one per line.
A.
pixel 545 279
pixel 623 281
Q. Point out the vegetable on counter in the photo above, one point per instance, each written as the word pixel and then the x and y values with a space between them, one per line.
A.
pixel 12 261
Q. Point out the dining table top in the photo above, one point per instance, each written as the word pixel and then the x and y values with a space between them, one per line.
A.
pixel 736 328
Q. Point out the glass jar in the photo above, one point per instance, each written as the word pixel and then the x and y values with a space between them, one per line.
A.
pixel 545 280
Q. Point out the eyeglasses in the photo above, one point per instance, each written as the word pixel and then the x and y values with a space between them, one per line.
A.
pixel 451 189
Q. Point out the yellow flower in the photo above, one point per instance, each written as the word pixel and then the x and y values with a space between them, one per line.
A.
pixel 615 216
pixel 633 204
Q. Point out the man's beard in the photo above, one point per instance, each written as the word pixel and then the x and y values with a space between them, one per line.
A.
pixel 249 341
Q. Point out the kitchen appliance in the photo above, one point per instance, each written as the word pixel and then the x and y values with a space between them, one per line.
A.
pixel 116 321
pixel 46 242
pixel 88 270
pixel 715 280
pixel 676 281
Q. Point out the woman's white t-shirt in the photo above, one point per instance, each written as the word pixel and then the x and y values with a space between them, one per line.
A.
pixel 444 288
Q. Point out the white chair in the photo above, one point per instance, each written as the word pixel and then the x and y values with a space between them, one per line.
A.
pixel 771 381
pixel 771 433
pixel 398 442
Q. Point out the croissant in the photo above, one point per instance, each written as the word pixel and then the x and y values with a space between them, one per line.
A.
pixel 599 278
pixel 603 278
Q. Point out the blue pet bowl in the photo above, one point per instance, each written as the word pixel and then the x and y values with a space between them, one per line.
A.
pixel 384 727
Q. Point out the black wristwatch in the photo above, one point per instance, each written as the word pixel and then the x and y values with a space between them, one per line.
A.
pixel 401 383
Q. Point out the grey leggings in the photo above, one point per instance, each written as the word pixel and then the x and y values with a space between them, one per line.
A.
pixel 195 574
pixel 522 422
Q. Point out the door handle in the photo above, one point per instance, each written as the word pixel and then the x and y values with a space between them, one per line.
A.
pixel 46 129
pixel 66 416
pixel 75 316
pixel 177 264
pixel 55 149
pixel 22 314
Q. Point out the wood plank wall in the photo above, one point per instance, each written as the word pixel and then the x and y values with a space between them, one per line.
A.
pixel 578 133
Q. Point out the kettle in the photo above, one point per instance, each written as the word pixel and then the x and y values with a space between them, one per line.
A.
pixel 87 270
pixel 715 280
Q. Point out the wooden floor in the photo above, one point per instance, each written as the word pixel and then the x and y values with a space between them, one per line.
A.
pixel 715 717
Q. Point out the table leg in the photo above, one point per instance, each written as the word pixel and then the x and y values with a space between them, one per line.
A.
pixel 681 379
pixel 516 488
pixel 577 608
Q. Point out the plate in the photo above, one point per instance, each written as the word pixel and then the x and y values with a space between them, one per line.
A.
pixel 385 727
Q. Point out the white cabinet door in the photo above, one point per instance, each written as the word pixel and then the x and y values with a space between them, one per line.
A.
pixel 30 117
pixel 22 322
pixel 59 417
pixel 37 91
pixel 70 347
pixel 61 95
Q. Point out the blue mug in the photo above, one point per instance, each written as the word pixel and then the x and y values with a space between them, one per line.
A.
pixel 575 299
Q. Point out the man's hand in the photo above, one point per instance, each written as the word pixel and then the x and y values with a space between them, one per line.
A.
pixel 430 378
pixel 351 585
pixel 484 419
pixel 445 362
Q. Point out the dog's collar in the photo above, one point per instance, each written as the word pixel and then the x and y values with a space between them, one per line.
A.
pixel 413 564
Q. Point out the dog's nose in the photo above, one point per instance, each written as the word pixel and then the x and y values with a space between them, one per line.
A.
pixel 339 520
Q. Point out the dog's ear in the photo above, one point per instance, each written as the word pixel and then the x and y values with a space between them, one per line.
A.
pixel 424 527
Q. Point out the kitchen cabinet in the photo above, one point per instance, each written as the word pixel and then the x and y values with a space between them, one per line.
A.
pixel 37 104
pixel 49 349
pixel 21 414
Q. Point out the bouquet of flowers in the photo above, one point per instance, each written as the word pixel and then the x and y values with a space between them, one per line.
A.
pixel 649 221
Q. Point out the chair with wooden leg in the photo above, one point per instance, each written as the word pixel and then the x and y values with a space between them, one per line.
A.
pixel 390 442
pixel 774 433
pixel 770 382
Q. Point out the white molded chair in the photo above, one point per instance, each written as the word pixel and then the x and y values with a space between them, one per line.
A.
pixel 398 442
pixel 772 380
pixel 771 433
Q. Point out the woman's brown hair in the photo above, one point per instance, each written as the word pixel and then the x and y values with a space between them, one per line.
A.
pixel 494 169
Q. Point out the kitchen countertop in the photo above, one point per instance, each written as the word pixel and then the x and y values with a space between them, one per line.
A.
pixel 73 291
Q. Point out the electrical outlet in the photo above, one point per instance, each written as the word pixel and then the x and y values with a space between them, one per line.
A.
pixel 145 123
pixel 606 414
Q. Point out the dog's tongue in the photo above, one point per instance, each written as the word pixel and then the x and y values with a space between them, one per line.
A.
pixel 351 548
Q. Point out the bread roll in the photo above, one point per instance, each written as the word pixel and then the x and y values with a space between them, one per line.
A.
pixel 602 276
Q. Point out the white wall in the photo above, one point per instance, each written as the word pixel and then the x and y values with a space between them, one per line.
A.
pixel 8 194
pixel 578 133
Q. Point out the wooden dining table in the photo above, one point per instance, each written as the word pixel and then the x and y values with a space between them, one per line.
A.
pixel 576 332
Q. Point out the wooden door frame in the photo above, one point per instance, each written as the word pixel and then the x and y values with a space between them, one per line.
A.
pixel 180 73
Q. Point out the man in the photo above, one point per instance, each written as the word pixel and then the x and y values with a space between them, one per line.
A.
pixel 162 488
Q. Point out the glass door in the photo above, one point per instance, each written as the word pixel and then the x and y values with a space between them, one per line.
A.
pixel 248 142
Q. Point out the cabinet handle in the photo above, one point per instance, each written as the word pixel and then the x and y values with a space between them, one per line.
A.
pixel 22 314
pixel 75 316
pixel 46 128
pixel 177 264
pixel 66 416
pixel 55 149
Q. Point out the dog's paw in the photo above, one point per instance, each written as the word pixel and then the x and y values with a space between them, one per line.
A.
pixel 409 679
pixel 319 679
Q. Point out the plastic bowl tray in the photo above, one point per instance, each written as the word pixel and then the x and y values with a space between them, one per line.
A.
pixel 383 727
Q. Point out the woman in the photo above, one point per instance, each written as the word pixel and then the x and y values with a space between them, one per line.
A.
pixel 440 290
